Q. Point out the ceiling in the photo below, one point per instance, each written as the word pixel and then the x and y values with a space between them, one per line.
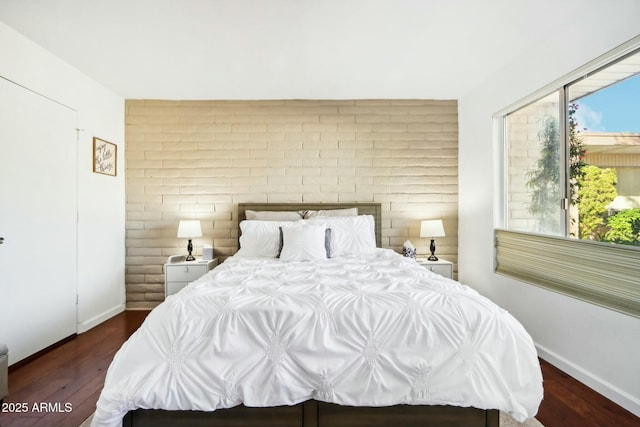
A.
pixel 289 49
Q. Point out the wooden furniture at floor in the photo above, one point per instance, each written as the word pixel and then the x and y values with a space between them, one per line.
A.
pixel 318 414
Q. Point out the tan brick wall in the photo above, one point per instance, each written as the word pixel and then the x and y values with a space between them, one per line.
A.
pixel 199 159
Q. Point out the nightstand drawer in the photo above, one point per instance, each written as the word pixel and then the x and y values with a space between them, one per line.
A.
pixel 443 270
pixel 177 275
pixel 185 273
pixel 441 267
pixel 173 287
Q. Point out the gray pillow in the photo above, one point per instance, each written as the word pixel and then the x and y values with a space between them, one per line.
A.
pixel 330 212
pixel 273 215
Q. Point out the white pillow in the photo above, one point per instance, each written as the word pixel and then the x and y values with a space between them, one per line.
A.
pixel 303 243
pixel 327 239
pixel 260 238
pixel 352 235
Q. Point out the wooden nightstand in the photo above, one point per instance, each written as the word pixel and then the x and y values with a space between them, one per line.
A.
pixel 177 275
pixel 441 267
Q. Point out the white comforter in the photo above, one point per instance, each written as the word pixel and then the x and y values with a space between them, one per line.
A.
pixel 375 330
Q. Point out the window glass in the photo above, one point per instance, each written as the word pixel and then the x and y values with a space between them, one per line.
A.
pixel 606 109
pixel 535 168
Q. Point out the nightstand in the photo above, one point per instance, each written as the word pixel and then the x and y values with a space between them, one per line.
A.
pixel 177 275
pixel 441 267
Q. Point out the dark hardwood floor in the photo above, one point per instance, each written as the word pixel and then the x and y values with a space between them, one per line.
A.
pixel 68 380
pixel 72 373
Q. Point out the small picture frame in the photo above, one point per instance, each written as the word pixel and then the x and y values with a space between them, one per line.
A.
pixel 105 157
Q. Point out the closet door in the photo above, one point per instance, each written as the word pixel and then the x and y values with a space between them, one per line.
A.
pixel 38 216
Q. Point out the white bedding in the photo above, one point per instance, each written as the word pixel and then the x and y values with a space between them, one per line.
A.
pixel 374 330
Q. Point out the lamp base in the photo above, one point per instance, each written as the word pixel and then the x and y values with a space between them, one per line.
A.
pixel 432 248
pixel 190 249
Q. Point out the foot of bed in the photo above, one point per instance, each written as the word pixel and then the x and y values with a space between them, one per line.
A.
pixel 318 414
pixel 493 418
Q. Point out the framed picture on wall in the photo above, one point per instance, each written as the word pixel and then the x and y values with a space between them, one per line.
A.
pixel 105 159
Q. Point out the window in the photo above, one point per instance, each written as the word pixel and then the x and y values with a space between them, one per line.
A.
pixel 571 214
pixel 535 167
pixel 574 161
pixel 606 110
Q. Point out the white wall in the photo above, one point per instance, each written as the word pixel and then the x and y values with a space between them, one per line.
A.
pixel 101 199
pixel 598 346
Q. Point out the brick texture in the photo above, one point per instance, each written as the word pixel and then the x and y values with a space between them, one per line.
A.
pixel 199 159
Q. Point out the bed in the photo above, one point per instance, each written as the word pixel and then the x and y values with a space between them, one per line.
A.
pixel 330 332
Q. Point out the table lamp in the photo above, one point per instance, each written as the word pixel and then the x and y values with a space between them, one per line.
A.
pixel 432 228
pixel 188 229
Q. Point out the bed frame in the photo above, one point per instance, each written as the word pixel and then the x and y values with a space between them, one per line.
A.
pixel 318 414
pixel 313 413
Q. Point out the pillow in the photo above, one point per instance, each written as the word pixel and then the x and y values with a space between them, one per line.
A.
pixel 303 243
pixel 273 215
pixel 327 241
pixel 329 212
pixel 351 235
pixel 260 238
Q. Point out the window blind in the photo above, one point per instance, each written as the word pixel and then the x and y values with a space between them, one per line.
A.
pixel 596 272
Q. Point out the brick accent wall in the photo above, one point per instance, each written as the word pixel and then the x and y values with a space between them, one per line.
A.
pixel 199 159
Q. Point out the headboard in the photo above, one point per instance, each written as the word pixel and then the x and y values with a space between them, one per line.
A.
pixel 374 209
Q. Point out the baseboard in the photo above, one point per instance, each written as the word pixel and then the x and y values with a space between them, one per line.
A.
pixel 608 390
pixel 34 356
pixel 96 320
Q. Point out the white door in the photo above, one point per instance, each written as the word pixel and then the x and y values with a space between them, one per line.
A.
pixel 38 216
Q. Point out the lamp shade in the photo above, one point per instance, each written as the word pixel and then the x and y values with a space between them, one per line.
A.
pixel 432 228
pixel 189 229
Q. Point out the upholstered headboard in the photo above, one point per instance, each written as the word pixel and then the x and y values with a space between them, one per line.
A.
pixel 374 209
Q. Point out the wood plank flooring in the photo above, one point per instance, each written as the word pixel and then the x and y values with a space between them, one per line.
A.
pixel 73 374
